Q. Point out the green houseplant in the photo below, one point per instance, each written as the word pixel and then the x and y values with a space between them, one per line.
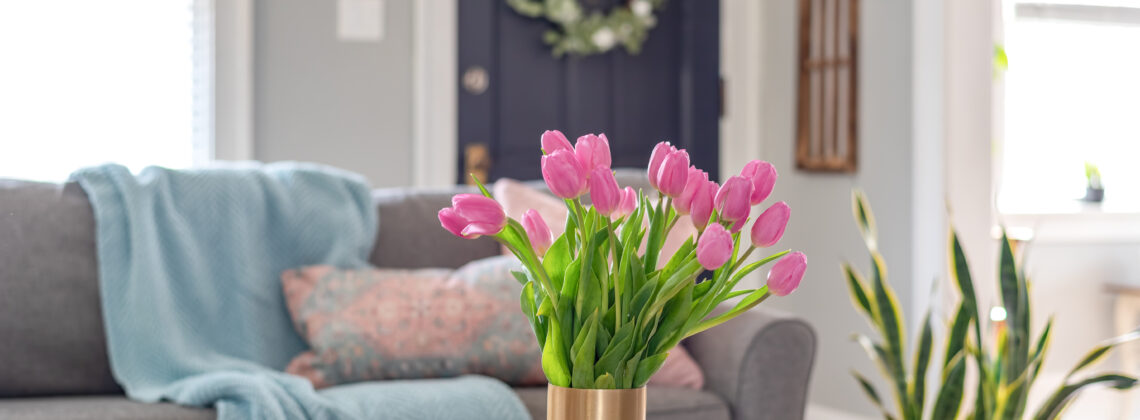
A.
pixel 1006 366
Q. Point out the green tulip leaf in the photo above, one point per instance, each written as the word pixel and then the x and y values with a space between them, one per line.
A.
pixel 554 361
pixel 556 260
pixel 647 367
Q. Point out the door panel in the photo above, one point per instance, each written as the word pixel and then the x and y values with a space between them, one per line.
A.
pixel 668 92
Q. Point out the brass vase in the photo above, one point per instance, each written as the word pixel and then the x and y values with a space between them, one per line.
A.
pixel 594 404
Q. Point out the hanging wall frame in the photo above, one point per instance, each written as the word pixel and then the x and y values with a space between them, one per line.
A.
pixel 827 96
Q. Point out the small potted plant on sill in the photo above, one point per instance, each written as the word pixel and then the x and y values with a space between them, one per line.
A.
pixel 603 313
pixel 1094 192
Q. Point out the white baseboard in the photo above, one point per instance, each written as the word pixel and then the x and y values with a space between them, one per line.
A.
pixel 819 412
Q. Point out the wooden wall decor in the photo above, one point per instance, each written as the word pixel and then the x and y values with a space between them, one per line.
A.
pixel 827 98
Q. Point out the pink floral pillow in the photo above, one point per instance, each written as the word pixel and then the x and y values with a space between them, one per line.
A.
pixel 376 324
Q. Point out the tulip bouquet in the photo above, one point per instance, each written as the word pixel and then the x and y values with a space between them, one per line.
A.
pixel 604 311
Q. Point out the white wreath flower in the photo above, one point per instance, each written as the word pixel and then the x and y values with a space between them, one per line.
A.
pixel 583 34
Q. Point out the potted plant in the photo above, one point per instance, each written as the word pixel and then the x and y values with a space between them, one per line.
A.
pixel 603 312
pixel 1007 360
pixel 1094 191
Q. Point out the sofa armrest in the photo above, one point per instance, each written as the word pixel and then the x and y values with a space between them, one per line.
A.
pixel 759 363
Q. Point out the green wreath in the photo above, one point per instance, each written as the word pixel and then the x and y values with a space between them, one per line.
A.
pixel 597 33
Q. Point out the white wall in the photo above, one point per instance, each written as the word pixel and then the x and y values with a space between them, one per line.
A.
pixel 821 223
pixel 346 104
pixel 1068 281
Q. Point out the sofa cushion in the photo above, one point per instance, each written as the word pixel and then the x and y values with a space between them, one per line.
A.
pixel 410 235
pixel 49 293
pixel 97 408
pixel 661 404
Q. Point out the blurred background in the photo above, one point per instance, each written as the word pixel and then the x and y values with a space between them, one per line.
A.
pixel 970 112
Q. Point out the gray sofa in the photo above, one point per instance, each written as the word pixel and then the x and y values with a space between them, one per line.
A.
pixel 53 361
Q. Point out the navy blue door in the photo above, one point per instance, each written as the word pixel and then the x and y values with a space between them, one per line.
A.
pixel 515 89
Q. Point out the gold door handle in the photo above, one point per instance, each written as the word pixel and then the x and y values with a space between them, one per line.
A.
pixel 476 161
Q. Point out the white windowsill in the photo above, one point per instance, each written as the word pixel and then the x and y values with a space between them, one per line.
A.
pixel 1075 222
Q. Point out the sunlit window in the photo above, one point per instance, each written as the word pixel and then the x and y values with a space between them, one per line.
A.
pixel 85 82
pixel 1072 96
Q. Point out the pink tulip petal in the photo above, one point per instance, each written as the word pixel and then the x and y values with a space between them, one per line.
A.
pixel 451 221
pixel 476 230
pixel 659 152
pixel 714 247
pixel 732 200
pixel 604 191
pixel 564 174
pixel 553 140
pixel 770 225
pixel 537 231
pixel 674 173
pixel 786 274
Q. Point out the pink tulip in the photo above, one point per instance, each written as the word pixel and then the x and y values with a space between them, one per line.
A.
pixel 673 174
pixel 629 200
pixel 563 174
pixel 714 247
pixel 697 179
pixel 763 177
pixel 553 140
pixel 786 274
pixel 472 215
pixel 593 151
pixel 604 191
pixel 769 226
pixel 701 206
pixel 732 201
pixel 537 231
pixel 661 150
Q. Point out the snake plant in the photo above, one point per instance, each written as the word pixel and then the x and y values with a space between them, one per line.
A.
pixel 1007 358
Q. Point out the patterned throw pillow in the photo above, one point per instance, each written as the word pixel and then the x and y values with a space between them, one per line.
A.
pixel 375 324
pixel 378 324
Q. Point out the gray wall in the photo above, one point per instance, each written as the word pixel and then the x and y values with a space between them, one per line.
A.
pixel 316 98
pixel 821 223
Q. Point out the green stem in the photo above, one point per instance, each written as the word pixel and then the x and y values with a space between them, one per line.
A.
pixel 530 259
pixel 704 325
pixel 742 258
pixel 614 278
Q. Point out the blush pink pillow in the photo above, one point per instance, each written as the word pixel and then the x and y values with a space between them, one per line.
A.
pixel 517 198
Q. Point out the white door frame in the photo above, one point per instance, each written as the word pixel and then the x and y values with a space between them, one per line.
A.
pixel 435 112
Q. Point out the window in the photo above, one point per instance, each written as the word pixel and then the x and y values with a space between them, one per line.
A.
pixel 1072 95
pixel 86 82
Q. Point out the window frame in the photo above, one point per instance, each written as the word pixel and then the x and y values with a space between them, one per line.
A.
pixel 1082 223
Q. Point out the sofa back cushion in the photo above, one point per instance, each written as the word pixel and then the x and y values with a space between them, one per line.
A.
pixel 410 235
pixel 49 293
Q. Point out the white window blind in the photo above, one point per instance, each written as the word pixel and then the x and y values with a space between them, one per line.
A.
pixel 1072 95
pixel 86 82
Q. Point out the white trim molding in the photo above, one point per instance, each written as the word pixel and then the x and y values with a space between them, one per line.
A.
pixel 742 68
pixel 928 232
pixel 435 113
pixel 232 101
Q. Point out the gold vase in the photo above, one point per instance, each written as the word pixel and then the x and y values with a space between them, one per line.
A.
pixel 594 404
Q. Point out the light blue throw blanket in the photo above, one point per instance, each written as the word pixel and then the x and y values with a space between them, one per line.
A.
pixel 189 271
